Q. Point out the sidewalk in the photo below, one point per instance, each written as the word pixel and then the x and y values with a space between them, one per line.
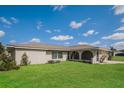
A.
pixel 113 62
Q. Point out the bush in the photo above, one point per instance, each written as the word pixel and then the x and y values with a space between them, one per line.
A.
pixel 16 67
pixel 57 61
pixel 24 60
pixel 2 49
pixel 5 66
pixel 6 61
pixel 53 61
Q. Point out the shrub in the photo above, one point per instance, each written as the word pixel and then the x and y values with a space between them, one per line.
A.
pixel 8 66
pixel 2 49
pixel 57 61
pixel 53 61
pixel 12 65
pixel 24 60
pixel 3 66
pixel 16 67
pixel 6 58
pixel 6 61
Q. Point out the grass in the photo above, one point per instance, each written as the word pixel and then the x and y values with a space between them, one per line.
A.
pixel 118 58
pixel 63 75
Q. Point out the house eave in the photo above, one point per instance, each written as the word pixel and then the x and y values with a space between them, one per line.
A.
pixel 29 48
pixel 69 48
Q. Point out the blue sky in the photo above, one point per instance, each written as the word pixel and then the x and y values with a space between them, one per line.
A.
pixel 63 25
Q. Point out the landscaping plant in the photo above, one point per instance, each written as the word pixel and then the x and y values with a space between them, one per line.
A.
pixel 24 60
pixel 6 61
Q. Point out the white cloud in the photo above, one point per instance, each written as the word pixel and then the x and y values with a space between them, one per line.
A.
pixel 96 43
pixel 118 45
pixel 2 33
pixel 58 7
pixel 48 31
pixel 88 33
pixel 57 30
pixel 62 37
pixel 115 36
pixel 39 25
pixel 122 20
pixel 67 43
pixel 14 20
pixel 54 30
pixel 96 33
pixel 5 21
pixel 120 28
pixel 118 9
pixel 35 40
pixel 12 41
pixel 8 23
pixel 82 43
pixel 76 25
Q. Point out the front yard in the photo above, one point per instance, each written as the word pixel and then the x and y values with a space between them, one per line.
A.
pixel 66 74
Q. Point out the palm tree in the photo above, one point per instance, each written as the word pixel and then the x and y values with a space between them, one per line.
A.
pixel 112 50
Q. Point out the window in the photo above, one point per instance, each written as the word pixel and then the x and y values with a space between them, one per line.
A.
pixel 48 52
pixel 60 55
pixel 57 54
pixel 54 55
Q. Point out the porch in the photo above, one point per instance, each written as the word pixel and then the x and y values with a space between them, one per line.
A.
pixel 88 55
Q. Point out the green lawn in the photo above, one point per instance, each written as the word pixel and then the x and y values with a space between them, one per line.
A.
pixel 66 74
pixel 118 58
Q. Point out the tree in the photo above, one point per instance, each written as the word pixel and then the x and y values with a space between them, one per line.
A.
pixel 2 49
pixel 112 50
pixel 6 60
pixel 122 50
pixel 111 53
pixel 24 60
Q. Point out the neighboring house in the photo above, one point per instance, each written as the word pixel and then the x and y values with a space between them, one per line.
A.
pixel 118 53
pixel 42 53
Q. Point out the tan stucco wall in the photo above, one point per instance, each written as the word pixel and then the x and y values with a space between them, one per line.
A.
pixel 36 56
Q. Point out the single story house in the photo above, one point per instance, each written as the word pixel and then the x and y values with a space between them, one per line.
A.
pixel 42 53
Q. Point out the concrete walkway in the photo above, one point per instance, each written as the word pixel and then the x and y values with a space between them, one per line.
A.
pixel 113 62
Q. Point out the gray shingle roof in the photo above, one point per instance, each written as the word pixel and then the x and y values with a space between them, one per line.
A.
pixel 39 46
pixel 51 47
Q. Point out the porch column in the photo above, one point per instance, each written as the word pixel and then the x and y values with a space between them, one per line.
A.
pixel 94 59
pixel 80 52
pixel 69 55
